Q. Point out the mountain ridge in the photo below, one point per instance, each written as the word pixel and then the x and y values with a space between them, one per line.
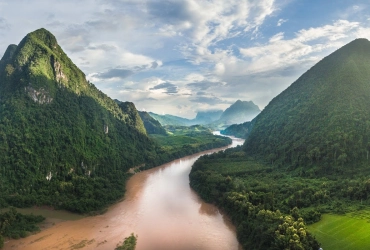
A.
pixel 238 112
pixel 316 118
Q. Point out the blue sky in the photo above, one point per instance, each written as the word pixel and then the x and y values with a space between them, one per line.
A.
pixel 181 56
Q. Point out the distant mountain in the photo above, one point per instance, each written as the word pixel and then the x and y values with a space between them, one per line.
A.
pixel 322 119
pixel 171 120
pixel 239 112
pixel 202 118
pixel 62 141
pixel 152 126
pixel 207 117
pixel 238 130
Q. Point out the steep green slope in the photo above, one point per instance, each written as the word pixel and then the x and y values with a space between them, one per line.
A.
pixel 152 126
pixel 62 141
pixel 239 130
pixel 322 119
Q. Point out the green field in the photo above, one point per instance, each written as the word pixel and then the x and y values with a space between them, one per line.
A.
pixel 342 232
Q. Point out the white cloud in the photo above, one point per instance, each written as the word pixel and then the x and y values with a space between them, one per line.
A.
pixel 202 49
pixel 340 27
pixel 282 53
pixel 205 23
pixel 277 37
pixel 281 21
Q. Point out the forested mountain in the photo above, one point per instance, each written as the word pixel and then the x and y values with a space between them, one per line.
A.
pixel 152 126
pixel 62 141
pixel 323 118
pixel 202 118
pixel 239 130
pixel 238 112
pixel 171 120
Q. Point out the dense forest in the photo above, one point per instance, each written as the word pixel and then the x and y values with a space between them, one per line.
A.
pixel 244 187
pixel 261 204
pixel 306 154
pixel 16 225
pixel 151 125
pixel 239 130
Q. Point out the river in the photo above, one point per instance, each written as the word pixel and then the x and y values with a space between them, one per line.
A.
pixel 159 207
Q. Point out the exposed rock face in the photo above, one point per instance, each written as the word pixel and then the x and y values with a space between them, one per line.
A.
pixel 49 176
pixel 40 96
pixel 57 68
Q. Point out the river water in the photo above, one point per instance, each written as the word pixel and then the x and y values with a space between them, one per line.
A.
pixel 159 207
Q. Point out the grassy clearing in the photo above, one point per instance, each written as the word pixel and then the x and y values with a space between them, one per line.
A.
pixel 342 232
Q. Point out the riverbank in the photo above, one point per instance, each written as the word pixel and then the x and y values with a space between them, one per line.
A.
pixel 159 207
pixel 258 199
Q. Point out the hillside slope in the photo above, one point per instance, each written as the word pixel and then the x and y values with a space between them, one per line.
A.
pixel 62 141
pixel 322 119
pixel 152 126
pixel 239 130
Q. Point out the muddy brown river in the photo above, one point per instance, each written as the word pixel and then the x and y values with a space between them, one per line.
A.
pixel 159 207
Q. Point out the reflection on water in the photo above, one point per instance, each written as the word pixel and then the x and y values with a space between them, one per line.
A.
pixel 159 207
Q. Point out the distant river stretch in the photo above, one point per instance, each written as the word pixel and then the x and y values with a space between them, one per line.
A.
pixel 159 207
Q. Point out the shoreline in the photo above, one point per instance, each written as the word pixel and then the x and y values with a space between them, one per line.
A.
pixel 74 236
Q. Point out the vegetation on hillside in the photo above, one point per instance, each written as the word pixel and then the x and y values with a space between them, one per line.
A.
pixel 62 142
pixel 171 120
pixel 239 130
pixel 151 125
pixel 322 119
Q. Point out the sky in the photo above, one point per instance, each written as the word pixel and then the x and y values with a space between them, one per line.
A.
pixel 182 56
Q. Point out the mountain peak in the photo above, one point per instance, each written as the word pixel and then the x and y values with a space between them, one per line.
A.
pixel 9 52
pixel 39 62
pixel 320 119
pixel 360 41
pixel 239 112
pixel 44 36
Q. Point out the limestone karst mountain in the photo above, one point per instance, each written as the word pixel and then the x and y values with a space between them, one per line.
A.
pixel 62 141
